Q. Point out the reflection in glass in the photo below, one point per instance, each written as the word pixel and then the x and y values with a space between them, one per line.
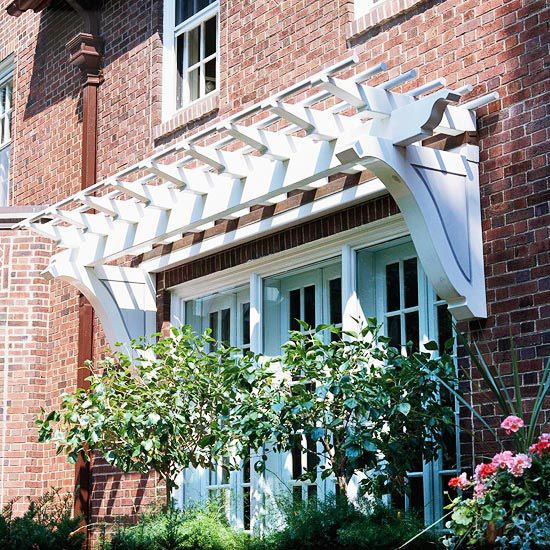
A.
pixel 294 309
pixel 309 305
pixel 394 330
pixel 210 76
pixel 412 329
pixel 411 282
pixel 392 287
pixel 335 299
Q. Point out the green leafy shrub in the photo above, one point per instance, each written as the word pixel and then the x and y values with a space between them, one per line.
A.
pixel 47 525
pixel 339 525
pixel 194 529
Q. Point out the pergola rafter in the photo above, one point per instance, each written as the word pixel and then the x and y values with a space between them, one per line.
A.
pixel 279 145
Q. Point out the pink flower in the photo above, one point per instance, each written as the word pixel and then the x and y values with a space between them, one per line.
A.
pixel 460 481
pixel 512 424
pixel 503 460
pixel 542 446
pixel 520 463
pixel 479 490
pixel 485 470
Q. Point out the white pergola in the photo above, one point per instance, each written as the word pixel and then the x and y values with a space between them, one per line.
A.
pixel 259 155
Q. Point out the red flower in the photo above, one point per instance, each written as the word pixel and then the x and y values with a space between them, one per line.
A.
pixel 485 470
pixel 542 446
pixel 460 481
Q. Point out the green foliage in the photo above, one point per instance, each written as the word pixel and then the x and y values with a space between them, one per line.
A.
pixel 511 401
pixel 369 407
pixel 339 525
pixel 195 529
pixel 167 409
pixel 47 525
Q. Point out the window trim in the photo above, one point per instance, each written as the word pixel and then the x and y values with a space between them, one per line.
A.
pixel 376 238
pixel 7 69
pixel 169 58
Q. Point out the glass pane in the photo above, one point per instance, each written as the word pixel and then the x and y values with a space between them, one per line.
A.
pixel 296 457
pixel 193 46
pixel 225 473
pixel 394 330
pixel 246 469
pixel 194 84
pixel 246 323
pixel 246 508
pixel 201 4
pixel 184 10
pixel 312 492
pixel 180 48
pixel 226 326
pixel 309 305
pixel 210 76
pixel 416 496
pixel 213 324
pixel 392 287
pixel 335 299
pixel 294 309
pixel 411 282
pixel 411 327
pixel 449 450
pixel 444 326
pixel 210 36
pixel 312 458
pixel 397 498
pixel 417 464
pixel 297 494
pixel 212 477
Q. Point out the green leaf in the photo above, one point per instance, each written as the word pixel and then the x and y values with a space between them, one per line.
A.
pixel 404 408
pixel 431 346
pixel 351 403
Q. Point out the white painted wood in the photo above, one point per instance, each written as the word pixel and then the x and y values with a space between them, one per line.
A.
pixel 436 191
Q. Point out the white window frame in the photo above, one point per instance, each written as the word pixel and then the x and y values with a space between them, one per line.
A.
pixel 6 125
pixel 432 472
pixel 192 483
pixel 171 32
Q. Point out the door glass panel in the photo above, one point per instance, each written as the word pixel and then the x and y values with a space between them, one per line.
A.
pixel 294 309
pixel 392 287
pixel 444 325
pixel 296 454
pixel 394 330
pixel 309 305
pixel 416 496
pixel 213 325
pixel 411 282
pixel 226 326
pixel 335 293
pixel 245 315
pixel 412 328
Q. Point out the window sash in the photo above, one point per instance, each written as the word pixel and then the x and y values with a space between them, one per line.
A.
pixel 182 84
pixel 433 474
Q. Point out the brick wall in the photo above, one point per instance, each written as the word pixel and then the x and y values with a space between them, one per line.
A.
pixel 24 343
pixel 496 45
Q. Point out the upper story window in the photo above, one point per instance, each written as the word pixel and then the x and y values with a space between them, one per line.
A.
pixel 191 52
pixel 6 108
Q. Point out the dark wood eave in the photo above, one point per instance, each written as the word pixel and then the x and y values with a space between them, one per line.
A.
pixel 17 7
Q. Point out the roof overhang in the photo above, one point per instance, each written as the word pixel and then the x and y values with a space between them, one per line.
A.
pixel 296 139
